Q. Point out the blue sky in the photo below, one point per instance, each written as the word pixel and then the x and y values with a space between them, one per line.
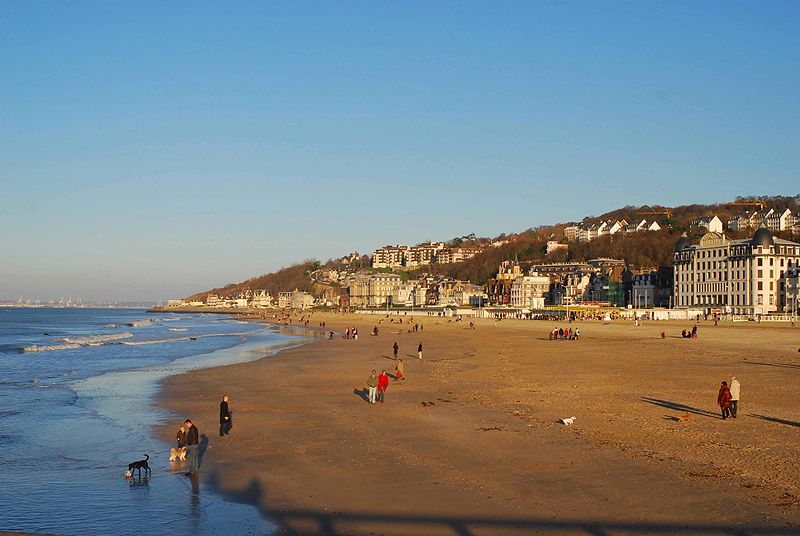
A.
pixel 149 150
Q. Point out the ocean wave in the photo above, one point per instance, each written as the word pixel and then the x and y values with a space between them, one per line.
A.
pixel 49 347
pixel 185 338
pixel 95 340
pixel 179 329
pixel 140 323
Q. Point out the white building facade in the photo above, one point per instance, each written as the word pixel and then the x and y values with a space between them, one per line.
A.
pixel 740 277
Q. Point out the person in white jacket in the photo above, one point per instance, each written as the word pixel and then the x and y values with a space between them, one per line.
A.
pixel 735 387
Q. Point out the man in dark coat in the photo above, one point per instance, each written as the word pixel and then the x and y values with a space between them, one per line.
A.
pixel 224 417
pixel 192 444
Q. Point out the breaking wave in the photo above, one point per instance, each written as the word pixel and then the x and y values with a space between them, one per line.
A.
pixel 49 347
pixel 91 340
pixel 140 323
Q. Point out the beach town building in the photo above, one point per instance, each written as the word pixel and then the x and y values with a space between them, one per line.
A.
pixel 571 232
pixel 570 289
pixel 212 300
pixel 382 289
pixel 552 246
pixel 261 299
pixel 420 255
pixel 498 288
pixel 711 224
pixel 780 220
pixel 358 291
pixel 741 277
pixel 176 303
pixel 609 284
pixel 559 269
pixel 390 257
pixel 743 221
pixel 792 290
pixel 529 291
pixel 653 288
pixel 589 231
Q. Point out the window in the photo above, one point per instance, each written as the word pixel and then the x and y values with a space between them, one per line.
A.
pixel 760 285
pixel 760 274
pixel 760 261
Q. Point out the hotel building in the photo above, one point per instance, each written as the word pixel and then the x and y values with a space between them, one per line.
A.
pixel 740 277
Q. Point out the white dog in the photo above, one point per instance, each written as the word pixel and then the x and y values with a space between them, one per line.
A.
pixel 177 454
pixel 568 420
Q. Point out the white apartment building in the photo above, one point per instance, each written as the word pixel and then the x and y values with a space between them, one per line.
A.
pixel 383 289
pixel 571 232
pixel 389 256
pixel 712 224
pixel 261 298
pixel 779 221
pixel 529 291
pixel 742 277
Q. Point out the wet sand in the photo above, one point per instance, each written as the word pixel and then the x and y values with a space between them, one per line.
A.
pixel 485 454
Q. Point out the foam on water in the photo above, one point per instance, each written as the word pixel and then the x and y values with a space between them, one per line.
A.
pixel 72 423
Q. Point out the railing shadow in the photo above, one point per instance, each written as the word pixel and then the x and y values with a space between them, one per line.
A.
pixel 304 522
pixel 679 407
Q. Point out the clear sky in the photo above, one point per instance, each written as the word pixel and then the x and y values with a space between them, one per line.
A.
pixel 150 150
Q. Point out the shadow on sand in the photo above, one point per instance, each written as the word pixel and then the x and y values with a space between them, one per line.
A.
pixel 775 419
pixel 779 365
pixel 362 393
pixel 680 407
pixel 300 522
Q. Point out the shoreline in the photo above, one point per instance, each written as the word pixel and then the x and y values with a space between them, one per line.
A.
pixel 291 409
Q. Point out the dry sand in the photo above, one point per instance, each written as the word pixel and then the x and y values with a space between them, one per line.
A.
pixel 485 454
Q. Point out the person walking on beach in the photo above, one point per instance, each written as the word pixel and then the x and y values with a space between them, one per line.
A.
pixel 735 387
pixel 383 384
pixel 419 350
pixel 724 400
pixel 180 437
pixel 224 417
pixel 372 385
pixel 192 444
pixel 395 348
pixel 399 370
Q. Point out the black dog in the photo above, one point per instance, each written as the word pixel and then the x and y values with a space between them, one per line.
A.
pixel 138 466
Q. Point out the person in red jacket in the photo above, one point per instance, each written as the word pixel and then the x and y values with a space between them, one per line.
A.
pixel 723 399
pixel 383 384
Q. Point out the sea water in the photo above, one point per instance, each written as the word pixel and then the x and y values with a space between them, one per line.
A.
pixel 77 404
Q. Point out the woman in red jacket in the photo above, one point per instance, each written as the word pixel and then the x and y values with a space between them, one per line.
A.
pixel 723 399
pixel 383 384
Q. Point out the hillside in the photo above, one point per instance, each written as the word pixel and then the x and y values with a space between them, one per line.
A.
pixel 643 250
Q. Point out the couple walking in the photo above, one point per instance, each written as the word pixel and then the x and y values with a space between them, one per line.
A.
pixel 728 398
pixel 377 384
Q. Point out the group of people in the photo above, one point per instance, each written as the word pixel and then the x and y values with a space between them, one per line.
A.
pixel 690 333
pixel 351 333
pixel 188 436
pixel 564 334
pixel 728 398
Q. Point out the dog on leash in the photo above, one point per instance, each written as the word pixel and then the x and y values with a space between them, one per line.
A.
pixel 177 454
pixel 138 466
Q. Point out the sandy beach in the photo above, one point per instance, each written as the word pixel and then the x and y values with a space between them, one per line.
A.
pixel 470 442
